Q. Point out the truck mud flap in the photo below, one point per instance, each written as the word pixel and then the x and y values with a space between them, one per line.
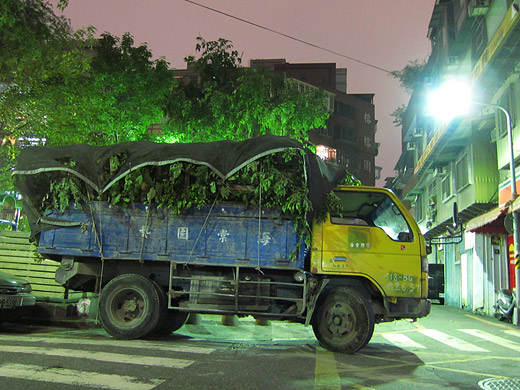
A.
pixel 314 293
pixel 408 308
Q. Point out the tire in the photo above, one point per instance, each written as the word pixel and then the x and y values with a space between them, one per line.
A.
pixel 163 310
pixel 129 307
pixel 343 321
pixel 175 319
pixel 169 320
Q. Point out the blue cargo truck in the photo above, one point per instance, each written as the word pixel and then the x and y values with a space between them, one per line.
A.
pixel 362 265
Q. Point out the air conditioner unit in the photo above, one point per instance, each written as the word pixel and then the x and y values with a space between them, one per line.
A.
pixel 410 146
pixel 452 62
pixel 417 132
pixel 478 7
pixel 439 172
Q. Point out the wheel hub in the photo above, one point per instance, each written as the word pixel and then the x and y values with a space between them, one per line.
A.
pixel 340 320
pixel 130 305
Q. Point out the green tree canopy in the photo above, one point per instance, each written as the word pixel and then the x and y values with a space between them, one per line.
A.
pixel 409 77
pixel 68 88
pixel 121 95
pixel 36 48
pixel 227 101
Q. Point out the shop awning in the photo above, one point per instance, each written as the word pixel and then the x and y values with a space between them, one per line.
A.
pixel 490 222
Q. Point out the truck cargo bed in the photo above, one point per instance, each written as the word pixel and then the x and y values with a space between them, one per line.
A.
pixel 225 234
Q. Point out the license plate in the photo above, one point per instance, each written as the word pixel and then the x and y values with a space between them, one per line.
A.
pixel 441 295
pixel 7 302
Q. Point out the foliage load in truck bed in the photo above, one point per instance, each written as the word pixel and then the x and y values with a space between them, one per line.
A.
pixel 268 171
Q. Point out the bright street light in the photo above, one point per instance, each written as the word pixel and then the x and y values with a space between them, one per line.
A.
pixel 451 99
pixel 454 99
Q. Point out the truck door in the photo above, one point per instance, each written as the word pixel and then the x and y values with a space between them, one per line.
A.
pixel 370 237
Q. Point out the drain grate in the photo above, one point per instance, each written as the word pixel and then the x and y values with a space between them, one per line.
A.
pixel 499 384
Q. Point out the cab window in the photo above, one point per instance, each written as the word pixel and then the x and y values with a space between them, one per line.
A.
pixel 372 209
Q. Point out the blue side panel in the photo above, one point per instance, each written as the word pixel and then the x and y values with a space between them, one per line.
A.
pixel 229 236
pixel 186 237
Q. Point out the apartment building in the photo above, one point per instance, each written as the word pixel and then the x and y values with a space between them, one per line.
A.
pixel 463 163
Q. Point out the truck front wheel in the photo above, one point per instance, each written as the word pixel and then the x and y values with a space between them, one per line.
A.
pixel 343 321
pixel 129 306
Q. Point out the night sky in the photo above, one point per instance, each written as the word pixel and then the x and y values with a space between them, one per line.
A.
pixel 384 34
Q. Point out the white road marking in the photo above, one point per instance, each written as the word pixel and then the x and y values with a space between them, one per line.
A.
pixel 492 338
pixel 112 342
pixel 76 378
pixel 515 333
pixel 100 356
pixel 402 341
pixel 451 341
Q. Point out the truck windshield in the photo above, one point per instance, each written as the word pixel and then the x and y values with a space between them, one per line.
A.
pixel 372 209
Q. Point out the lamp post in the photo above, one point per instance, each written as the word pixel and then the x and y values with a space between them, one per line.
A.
pixel 514 194
pixel 454 99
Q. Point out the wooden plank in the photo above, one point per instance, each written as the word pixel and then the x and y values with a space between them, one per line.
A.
pixel 18 257
pixel 12 246
pixel 54 289
pixel 24 268
pixel 14 240
pixel 24 260
pixel 48 294
pixel 42 278
pixel 11 233
pixel 6 256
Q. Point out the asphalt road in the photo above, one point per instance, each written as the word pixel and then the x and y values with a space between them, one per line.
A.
pixel 449 349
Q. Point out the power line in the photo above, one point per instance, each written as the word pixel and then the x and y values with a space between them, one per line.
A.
pixel 287 36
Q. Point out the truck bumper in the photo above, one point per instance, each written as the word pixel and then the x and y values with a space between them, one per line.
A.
pixel 408 308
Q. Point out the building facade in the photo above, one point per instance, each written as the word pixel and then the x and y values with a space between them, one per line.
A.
pixel 349 139
pixel 462 164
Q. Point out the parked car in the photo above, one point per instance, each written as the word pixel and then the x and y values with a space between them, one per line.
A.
pixel 15 295
pixel 436 282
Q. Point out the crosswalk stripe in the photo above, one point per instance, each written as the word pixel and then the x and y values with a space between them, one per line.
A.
pixel 100 356
pixel 112 342
pixel 493 338
pixel 515 333
pixel 402 341
pixel 451 341
pixel 76 378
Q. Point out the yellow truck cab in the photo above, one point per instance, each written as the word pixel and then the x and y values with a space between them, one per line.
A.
pixel 373 248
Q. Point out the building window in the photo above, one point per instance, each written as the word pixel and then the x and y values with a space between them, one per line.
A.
pixel 348 160
pixel 344 133
pixel 344 110
pixel 367 166
pixel 507 101
pixel 446 186
pixel 326 153
pixel 326 132
pixel 461 172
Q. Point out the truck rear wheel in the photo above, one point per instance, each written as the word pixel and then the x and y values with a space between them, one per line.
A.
pixel 129 306
pixel 175 319
pixel 343 321
pixel 170 320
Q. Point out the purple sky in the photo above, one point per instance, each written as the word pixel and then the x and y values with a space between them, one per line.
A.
pixel 386 34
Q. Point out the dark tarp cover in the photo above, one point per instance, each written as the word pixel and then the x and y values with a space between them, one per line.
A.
pixel 223 157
